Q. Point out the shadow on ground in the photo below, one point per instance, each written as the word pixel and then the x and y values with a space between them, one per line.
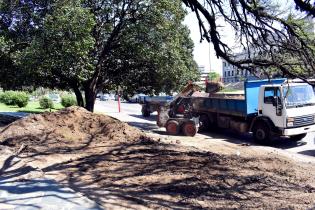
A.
pixel 154 175
pixel 33 194
pixel 151 118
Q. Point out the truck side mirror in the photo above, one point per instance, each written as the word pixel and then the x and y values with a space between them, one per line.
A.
pixel 274 101
pixel 278 104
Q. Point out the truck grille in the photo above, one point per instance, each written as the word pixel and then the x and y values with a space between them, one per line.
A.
pixel 304 120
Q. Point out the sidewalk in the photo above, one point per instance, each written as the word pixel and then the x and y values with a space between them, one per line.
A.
pixel 41 194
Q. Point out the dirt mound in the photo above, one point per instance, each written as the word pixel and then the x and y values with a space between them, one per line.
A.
pixel 68 129
pixel 118 167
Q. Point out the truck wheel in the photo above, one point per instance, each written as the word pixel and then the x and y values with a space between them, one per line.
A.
pixel 190 129
pixel 298 137
pixel 204 122
pixel 172 127
pixel 261 133
pixel 145 111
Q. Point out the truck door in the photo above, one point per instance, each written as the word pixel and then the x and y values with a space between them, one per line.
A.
pixel 269 108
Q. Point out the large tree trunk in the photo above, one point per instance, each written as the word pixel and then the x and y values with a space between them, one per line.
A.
pixel 78 94
pixel 90 95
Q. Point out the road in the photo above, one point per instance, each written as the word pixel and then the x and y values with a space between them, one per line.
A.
pixel 131 113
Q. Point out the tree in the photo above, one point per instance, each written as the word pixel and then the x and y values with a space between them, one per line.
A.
pixel 161 55
pixel 93 45
pixel 213 76
pixel 59 56
pixel 260 26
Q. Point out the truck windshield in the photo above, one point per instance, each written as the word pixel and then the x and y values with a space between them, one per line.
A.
pixel 297 96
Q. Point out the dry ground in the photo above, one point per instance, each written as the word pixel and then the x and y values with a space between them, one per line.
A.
pixel 119 166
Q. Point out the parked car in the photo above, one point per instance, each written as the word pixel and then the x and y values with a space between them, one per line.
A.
pixel 104 97
pixel 137 98
pixel 54 97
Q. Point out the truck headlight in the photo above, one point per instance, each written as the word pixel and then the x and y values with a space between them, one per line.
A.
pixel 290 121
pixel 290 124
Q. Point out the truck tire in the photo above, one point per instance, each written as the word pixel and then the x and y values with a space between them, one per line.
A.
pixel 189 129
pixel 262 133
pixel 298 137
pixel 172 127
pixel 145 111
pixel 204 122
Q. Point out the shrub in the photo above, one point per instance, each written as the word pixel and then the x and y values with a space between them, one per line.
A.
pixel 46 103
pixel 68 100
pixel 21 99
pixel 8 98
pixel 1 96
pixel 14 98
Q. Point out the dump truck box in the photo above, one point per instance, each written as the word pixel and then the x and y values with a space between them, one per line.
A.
pixel 241 105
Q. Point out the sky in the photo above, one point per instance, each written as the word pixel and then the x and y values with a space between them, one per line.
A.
pixel 204 53
pixel 204 49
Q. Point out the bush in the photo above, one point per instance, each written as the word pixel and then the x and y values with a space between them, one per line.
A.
pixel 21 99
pixel 68 100
pixel 8 98
pixel 14 98
pixel 46 103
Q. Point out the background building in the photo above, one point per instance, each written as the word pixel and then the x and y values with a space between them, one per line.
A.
pixel 231 73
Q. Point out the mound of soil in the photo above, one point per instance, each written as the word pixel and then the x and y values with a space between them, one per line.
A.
pixel 117 166
pixel 70 129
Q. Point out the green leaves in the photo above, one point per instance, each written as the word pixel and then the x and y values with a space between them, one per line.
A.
pixel 96 44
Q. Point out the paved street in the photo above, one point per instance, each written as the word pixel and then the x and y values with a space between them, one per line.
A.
pixel 41 194
pixel 131 113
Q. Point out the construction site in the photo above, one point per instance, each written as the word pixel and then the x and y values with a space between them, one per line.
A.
pixel 118 166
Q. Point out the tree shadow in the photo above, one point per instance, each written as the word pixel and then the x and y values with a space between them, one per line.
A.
pixel 238 138
pixel 155 175
pixel 41 194
pixel 308 152
pixel 151 118
pixel 36 193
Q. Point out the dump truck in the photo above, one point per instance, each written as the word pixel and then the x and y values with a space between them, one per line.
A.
pixel 268 109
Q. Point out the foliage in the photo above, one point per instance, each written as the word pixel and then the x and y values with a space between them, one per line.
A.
pixel 46 103
pixel 270 36
pixel 68 100
pixel 213 76
pixel 14 98
pixel 161 61
pixel 21 99
pixel 32 107
pixel 100 45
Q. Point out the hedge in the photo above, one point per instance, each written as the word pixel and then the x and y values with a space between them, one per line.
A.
pixel 46 103
pixel 14 98
pixel 68 100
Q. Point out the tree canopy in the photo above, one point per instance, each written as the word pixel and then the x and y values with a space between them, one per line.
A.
pixel 97 45
pixel 261 27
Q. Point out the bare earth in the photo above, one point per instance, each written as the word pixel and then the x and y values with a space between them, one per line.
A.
pixel 120 167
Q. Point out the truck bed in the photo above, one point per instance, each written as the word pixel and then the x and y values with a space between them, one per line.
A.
pixel 219 103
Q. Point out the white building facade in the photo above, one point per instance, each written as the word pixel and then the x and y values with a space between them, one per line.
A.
pixel 231 73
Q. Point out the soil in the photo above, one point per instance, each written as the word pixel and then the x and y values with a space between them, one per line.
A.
pixel 120 167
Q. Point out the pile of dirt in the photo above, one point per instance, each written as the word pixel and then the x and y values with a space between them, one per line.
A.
pixel 117 166
pixel 70 129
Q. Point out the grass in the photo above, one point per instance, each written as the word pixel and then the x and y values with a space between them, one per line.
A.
pixel 32 107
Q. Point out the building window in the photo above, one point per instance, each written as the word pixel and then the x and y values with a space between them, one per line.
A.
pixel 232 73
pixel 225 74
pixel 228 73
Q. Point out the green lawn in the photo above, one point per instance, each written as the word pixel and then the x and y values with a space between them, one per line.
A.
pixel 32 107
